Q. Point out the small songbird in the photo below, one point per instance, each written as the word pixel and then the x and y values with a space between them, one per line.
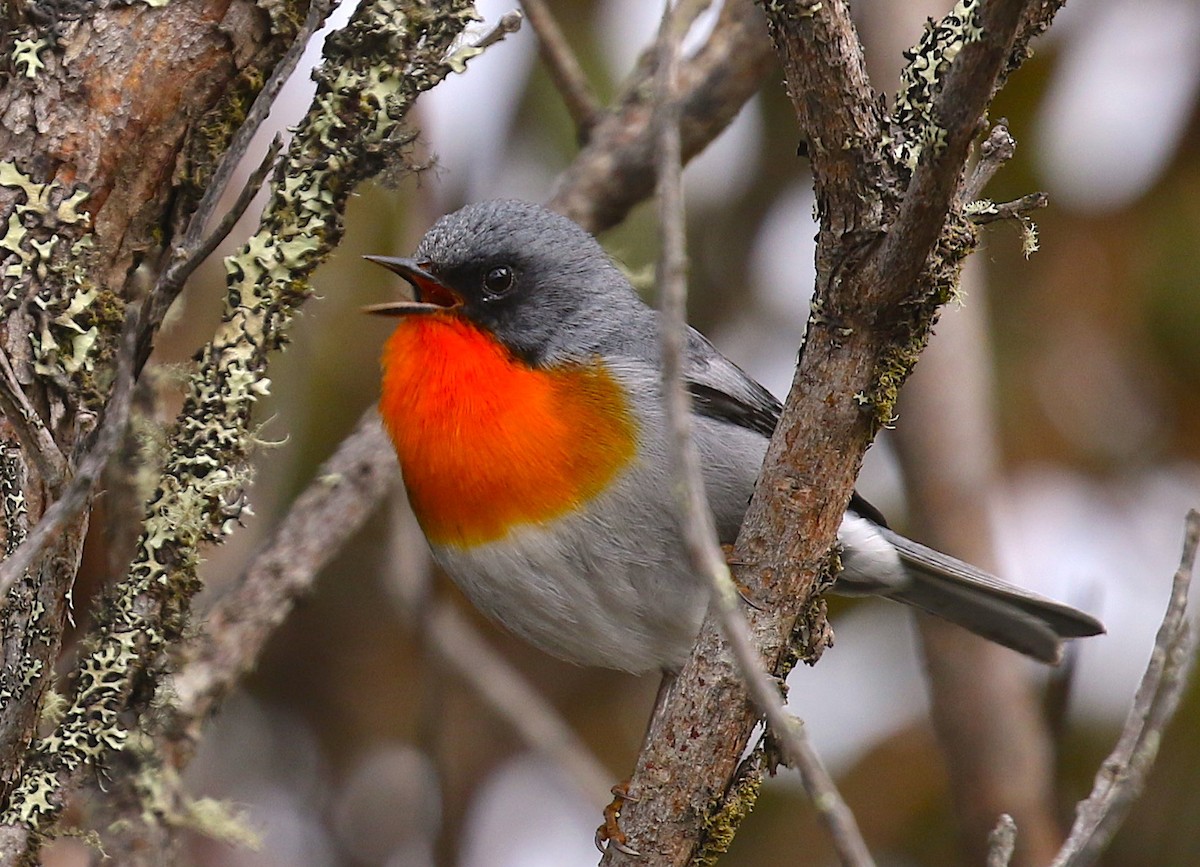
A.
pixel 522 390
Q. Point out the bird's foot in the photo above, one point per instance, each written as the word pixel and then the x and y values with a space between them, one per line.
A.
pixel 742 589
pixel 610 833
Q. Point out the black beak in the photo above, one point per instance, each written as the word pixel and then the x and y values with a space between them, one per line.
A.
pixel 432 294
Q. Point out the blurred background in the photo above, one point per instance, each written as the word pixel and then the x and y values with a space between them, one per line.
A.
pixel 352 745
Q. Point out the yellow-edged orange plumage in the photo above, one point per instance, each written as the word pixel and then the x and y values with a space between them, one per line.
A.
pixel 487 442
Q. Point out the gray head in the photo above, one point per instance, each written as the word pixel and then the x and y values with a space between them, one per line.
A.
pixel 523 273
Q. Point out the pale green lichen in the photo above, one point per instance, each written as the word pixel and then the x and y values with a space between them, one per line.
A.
pixel 1029 237
pixel 20 670
pixel 49 217
pixel 164 800
pixel 914 126
pixel 349 134
pixel 979 208
pixel 726 816
pixel 54 705
pixel 33 799
pixel 25 56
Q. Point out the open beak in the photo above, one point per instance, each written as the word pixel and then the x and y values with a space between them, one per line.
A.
pixel 432 294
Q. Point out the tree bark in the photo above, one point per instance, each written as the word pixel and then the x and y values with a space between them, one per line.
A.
pixel 94 131
pixel 888 253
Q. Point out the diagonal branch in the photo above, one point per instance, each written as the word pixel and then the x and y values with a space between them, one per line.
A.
pixel 615 170
pixel 867 328
pixel 346 491
pixel 1122 775
pixel 699 532
pixel 568 76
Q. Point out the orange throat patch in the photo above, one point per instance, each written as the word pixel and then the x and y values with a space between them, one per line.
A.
pixel 487 443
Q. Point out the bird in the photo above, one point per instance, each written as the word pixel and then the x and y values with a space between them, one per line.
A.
pixel 522 390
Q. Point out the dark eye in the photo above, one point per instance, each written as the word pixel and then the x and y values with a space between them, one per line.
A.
pixel 498 280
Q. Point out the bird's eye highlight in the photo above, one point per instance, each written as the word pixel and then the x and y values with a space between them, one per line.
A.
pixel 498 280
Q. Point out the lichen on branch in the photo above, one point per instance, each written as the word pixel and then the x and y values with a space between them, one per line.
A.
pixel 391 51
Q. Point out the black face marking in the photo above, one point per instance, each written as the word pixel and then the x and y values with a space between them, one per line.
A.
pixel 499 280
pixel 523 273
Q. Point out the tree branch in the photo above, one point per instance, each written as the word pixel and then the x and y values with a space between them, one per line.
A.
pixel 346 490
pixel 502 688
pixel 565 71
pixel 362 97
pixel 615 170
pixel 865 333
pixel 91 150
pixel 982 35
pixel 1122 775
pixel 699 532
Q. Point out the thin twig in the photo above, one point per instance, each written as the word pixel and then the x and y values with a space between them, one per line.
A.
pixel 73 498
pixel 981 211
pixel 31 430
pixel 513 700
pixel 699 531
pixel 1002 842
pixel 318 10
pixel 189 256
pixel 343 494
pixel 1122 776
pixel 998 148
pixel 565 71
pixel 509 22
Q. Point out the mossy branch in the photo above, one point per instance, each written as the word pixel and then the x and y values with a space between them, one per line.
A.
pixel 390 52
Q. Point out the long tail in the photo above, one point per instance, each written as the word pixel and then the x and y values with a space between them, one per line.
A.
pixel 1008 615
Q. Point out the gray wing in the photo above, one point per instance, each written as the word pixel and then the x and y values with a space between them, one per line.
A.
pixel 721 390
pixel 936 582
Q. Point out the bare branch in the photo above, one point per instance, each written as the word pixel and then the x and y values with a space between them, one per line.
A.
pixel 699 532
pixel 1122 776
pixel 508 23
pixel 998 148
pixel 345 492
pixel 513 700
pixel 836 110
pixel 865 332
pixel 187 257
pixel 615 170
pixel 1002 841
pixel 107 437
pixel 565 71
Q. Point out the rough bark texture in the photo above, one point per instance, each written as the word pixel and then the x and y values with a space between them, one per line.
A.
pixel 141 103
pixel 93 130
pixel 887 257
